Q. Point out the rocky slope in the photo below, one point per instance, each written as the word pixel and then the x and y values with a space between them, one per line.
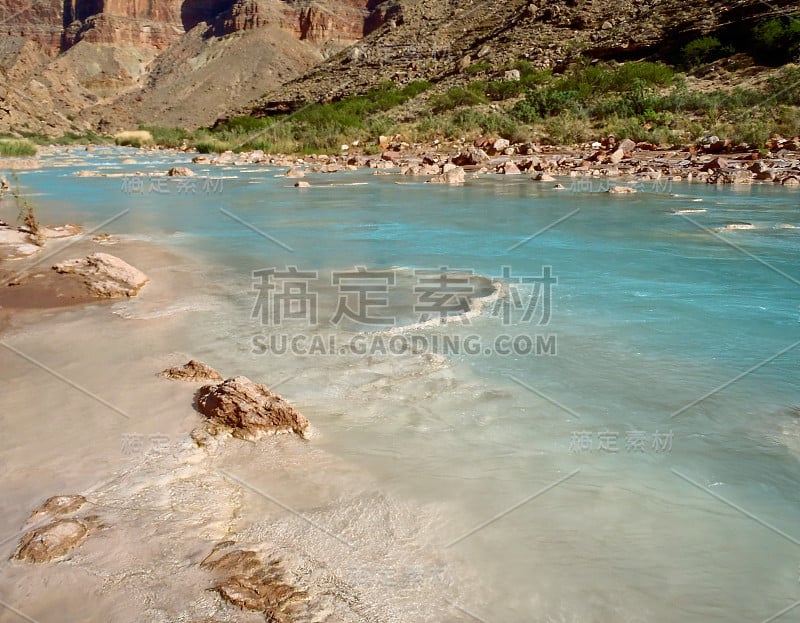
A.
pixel 108 64
pixel 439 41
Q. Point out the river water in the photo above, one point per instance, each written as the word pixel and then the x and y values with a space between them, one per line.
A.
pixel 527 404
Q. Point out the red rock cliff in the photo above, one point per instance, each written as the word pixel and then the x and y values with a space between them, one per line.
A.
pixel 58 24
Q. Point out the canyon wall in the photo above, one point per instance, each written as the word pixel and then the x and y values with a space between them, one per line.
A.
pixel 57 25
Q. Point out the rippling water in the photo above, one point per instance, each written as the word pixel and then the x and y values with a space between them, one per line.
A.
pixel 639 462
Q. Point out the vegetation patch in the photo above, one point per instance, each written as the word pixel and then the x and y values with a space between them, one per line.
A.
pixel 17 148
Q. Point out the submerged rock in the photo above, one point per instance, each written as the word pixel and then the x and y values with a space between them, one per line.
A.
pixel 51 541
pixel 248 410
pixel 58 505
pixel 453 176
pixel 180 172
pixel 105 275
pixel 193 370
pixel 621 190
pixel 244 580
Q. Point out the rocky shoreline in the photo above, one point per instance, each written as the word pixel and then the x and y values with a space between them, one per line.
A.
pixel 715 161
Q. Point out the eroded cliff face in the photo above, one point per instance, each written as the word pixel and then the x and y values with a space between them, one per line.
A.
pixel 66 65
pixel 57 25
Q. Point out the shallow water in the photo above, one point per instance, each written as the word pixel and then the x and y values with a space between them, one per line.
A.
pixel 642 466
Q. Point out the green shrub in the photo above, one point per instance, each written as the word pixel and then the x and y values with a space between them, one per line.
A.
pixel 499 90
pixel 414 88
pixel 454 98
pixel 167 137
pixel 785 87
pixel 787 120
pixel 704 50
pixel 567 128
pixel 630 75
pixel 16 148
pixel 211 146
pixel 529 74
pixel 479 67
pixel 545 102
pixel 776 41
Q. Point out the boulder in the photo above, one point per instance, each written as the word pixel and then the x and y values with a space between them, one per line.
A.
pixel 759 166
pixel 453 176
pixel 512 75
pixel 739 177
pixel 105 275
pixel 180 172
pixel 248 410
pixel 791 180
pixel 509 168
pixel 627 146
pixel 543 177
pixel 717 163
pixel 194 371
pixel 51 541
pixel 470 157
pixel 766 176
pixel 294 172
pixel 621 190
pixel 302 184
pixel 616 156
pixel 419 169
pixel 501 144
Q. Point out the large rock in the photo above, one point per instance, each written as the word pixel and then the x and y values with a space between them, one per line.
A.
pixel 627 146
pixel 509 168
pixel 715 164
pixel 248 410
pixel 51 541
pixel 193 370
pixel 621 190
pixel 105 275
pixel 453 176
pixel 470 157
pixel 616 156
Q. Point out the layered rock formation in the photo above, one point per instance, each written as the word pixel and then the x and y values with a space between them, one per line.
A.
pixel 65 65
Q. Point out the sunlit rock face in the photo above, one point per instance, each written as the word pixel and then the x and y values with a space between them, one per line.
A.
pixel 58 25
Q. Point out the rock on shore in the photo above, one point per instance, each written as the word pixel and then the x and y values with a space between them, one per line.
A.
pixel 60 536
pixel 193 370
pixel 52 541
pixel 105 275
pixel 248 410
